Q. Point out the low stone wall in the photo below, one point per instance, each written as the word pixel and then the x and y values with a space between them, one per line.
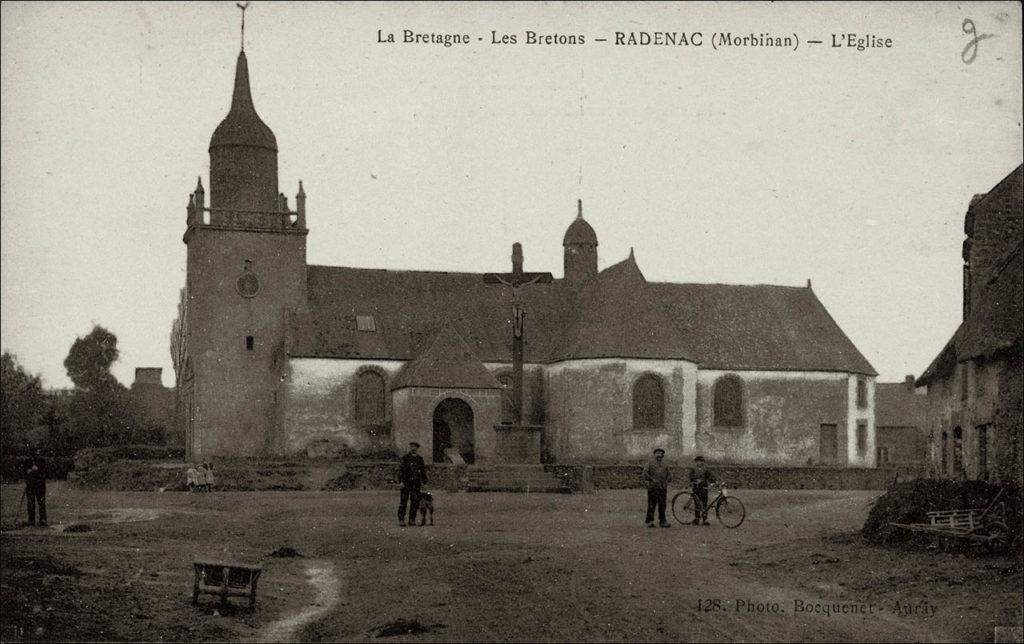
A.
pixel 618 477
pixel 313 474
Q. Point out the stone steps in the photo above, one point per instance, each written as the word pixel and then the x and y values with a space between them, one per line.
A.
pixel 514 478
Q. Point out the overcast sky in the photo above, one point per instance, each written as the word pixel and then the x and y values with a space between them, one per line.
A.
pixel 737 165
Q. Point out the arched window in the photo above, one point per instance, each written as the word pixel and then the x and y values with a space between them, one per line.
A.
pixel 369 405
pixel 648 402
pixel 728 405
pixel 505 380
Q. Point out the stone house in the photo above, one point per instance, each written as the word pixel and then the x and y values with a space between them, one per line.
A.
pixel 900 420
pixel 278 356
pixel 974 385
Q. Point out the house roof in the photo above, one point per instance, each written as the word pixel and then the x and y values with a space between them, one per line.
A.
pixel 618 314
pixel 448 362
pixel 896 405
pixel 994 325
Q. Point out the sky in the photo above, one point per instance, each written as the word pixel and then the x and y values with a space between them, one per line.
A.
pixel 744 165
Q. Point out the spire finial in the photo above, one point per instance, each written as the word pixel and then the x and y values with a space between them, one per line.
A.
pixel 631 256
pixel 243 6
pixel 199 184
pixel 579 209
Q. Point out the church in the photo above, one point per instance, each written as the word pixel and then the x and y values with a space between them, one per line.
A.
pixel 279 357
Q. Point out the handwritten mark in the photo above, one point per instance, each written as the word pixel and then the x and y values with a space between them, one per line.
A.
pixel 970 52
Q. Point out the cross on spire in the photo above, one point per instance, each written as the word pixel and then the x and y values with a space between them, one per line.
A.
pixel 243 6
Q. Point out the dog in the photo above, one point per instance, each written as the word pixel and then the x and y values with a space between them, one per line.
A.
pixel 426 506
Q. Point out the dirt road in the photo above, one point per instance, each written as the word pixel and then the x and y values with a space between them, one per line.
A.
pixel 494 567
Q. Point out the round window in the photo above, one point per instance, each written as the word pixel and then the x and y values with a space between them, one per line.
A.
pixel 248 285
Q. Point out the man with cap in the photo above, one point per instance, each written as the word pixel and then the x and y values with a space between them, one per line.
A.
pixel 35 487
pixel 700 478
pixel 656 477
pixel 412 473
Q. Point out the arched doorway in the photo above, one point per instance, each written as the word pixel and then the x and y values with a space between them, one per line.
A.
pixel 453 427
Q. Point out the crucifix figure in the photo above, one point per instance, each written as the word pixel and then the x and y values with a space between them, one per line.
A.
pixel 516 280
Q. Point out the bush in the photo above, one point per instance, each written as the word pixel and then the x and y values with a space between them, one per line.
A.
pixel 909 502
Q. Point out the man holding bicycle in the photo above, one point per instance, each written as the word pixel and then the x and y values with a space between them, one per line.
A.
pixel 700 478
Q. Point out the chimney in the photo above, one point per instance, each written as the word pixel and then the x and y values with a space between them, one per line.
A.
pixel 909 382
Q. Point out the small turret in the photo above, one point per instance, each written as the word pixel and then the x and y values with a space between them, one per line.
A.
pixel 580 250
pixel 300 205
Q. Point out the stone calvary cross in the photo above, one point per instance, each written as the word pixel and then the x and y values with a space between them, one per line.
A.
pixel 516 280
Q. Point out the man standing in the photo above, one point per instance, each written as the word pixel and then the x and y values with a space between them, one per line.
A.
pixel 412 473
pixel 35 487
pixel 656 478
pixel 700 478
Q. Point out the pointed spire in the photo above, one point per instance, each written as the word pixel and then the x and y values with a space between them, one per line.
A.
pixel 302 193
pixel 631 255
pixel 579 209
pixel 199 184
pixel 241 98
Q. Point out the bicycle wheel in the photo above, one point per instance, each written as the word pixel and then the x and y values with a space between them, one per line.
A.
pixel 730 511
pixel 683 506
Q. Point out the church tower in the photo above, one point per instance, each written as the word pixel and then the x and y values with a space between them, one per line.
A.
pixel 580 246
pixel 245 271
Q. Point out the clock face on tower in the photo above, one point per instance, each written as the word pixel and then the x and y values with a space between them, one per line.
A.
pixel 248 285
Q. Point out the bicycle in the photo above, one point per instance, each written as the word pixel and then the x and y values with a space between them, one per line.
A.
pixel 728 509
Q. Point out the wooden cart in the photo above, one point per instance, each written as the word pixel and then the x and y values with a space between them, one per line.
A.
pixel 980 525
pixel 225 580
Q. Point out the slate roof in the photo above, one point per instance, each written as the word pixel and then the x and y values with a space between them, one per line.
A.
pixel 994 325
pixel 618 314
pixel 898 406
pixel 242 125
pixel 448 362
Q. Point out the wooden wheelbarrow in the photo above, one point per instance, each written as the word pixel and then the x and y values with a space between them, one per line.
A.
pixel 225 580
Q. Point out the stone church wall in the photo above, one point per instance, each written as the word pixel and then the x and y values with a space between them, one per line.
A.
pixel 236 387
pixel 414 418
pixel 590 409
pixel 318 409
pixel 783 413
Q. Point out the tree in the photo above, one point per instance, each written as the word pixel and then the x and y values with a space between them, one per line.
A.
pixel 24 406
pixel 102 412
pixel 90 358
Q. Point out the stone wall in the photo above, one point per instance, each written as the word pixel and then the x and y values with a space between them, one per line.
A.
pixel 902 444
pixel 319 401
pixel 237 389
pixel 590 409
pixel 614 477
pixel 783 415
pixel 413 417
pixel 993 400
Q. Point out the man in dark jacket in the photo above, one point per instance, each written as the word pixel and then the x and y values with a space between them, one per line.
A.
pixel 700 478
pixel 656 477
pixel 412 473
pixel 35 487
